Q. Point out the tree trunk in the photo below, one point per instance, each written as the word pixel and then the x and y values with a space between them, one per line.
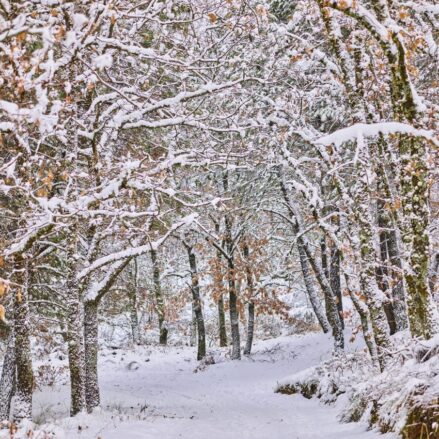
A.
pixel 196 300
pixel 75 341
pixel 398 292
pixel 325 268
pixel 222 323
pixel 375 297
pixel 234 315
pixel 134 319
pixel 382 274
pixel 364 314
pixel 334 317
pixel 331 271
pixel 233 298
pixel 132 296
pixel 312 293
pixel 193 334
pixel 422 311
pixel 91 335
pixel 250 328
pixel 334 280
pixel 433 274
pixel 396 310
pixel 221 314
pixel 7 380
pixel 160 304
pixel 251 305
pixel 302 242
pixel 22 408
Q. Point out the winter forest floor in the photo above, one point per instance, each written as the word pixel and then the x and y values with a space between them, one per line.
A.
pixel 161 397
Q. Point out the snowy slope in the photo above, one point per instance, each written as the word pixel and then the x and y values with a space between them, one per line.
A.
pixel 163 398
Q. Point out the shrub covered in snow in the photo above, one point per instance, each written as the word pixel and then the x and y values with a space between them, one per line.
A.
pixel 404 398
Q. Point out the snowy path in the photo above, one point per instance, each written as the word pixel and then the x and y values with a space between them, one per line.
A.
pixel 164 399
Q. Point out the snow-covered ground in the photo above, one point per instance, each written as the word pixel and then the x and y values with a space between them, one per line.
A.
pixel 159 396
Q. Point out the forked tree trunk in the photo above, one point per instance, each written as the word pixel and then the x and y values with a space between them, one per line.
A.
pixel 396 309
pixel 91 335
pixel 334 317
pixel 159 301
pixel 364 314
pixel 313 296
pixel 7 380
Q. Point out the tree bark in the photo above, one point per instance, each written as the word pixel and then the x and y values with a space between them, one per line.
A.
pixel 234 315
pixel 364 314
pixel 221 314
pixel 233 298
pixel 312 293
pixel 160 304
pixel 250 328
pixel 7 380
pixel 382 274
pixel 422 311
pixel 331 270
pixel 334 280
pixel 433 274
pixel 222 323
pixel 91 337
pixel 22 408
pixel 398 291
pixel 251 305
pixel 75 341
pixel 196 300
pixel 132 296
pixel 193 329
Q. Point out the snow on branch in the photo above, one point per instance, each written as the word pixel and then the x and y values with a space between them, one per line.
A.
pixel 363 130
pixel 433 9
pixel 135 251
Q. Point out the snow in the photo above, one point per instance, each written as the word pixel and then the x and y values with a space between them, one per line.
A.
pixel 79 20
pixel 136 251
pixel 360 130
pixel 163 397
pixel 9 107
pixel 103 61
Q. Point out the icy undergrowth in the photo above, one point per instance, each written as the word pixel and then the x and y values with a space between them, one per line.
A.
pixel 402 399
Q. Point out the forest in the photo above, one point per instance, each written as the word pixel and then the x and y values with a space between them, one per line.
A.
pixel 219 219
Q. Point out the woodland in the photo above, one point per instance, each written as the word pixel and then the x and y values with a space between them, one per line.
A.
pixel 243 191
